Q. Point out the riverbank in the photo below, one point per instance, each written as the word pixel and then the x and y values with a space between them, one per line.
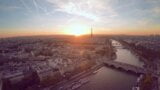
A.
pixel 74 78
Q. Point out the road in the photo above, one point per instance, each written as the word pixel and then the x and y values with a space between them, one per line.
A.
pixel 63 85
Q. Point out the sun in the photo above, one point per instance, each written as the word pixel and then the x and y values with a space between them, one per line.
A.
pixel 77 30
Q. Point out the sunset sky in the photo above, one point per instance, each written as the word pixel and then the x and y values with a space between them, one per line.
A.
pixel 37 17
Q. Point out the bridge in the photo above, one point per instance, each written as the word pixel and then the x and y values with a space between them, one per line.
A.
pixel 124 66
pixel 127 67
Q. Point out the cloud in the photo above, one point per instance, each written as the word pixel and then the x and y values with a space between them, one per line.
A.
pixel 92 9
pixel 153 1
pixel 8 8
pixel 156 10
pixel 144 22
pixel 25 5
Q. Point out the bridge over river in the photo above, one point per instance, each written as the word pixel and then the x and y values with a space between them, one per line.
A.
pixel 127 67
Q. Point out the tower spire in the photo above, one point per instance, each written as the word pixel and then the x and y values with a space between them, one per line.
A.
pixel 91 32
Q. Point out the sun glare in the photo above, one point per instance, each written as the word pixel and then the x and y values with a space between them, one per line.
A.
pixel 77 30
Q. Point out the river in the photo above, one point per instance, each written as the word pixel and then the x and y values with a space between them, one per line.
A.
pixel 125 55
pixel 111 79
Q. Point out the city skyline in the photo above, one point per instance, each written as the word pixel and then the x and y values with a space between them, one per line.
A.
pixel 69 17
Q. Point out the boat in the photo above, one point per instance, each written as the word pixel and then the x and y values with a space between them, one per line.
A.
pixel 83 81
pixel 76 86
pixel 95 72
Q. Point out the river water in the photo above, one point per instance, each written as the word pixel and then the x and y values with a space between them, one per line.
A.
pixel 125 55
pixel 111 79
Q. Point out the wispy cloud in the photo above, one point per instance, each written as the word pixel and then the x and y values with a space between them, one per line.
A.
pixel 25 5
pixel 92 9
pixel 36 5
pixel 8 8
pixel 156 10
pixel 144 22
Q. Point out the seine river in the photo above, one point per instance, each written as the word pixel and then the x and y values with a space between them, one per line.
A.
pixel 111 79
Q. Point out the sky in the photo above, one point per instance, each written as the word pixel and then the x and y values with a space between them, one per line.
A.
pixel 37 17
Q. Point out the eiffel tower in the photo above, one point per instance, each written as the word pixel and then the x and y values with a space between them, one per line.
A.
pixel 91 32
